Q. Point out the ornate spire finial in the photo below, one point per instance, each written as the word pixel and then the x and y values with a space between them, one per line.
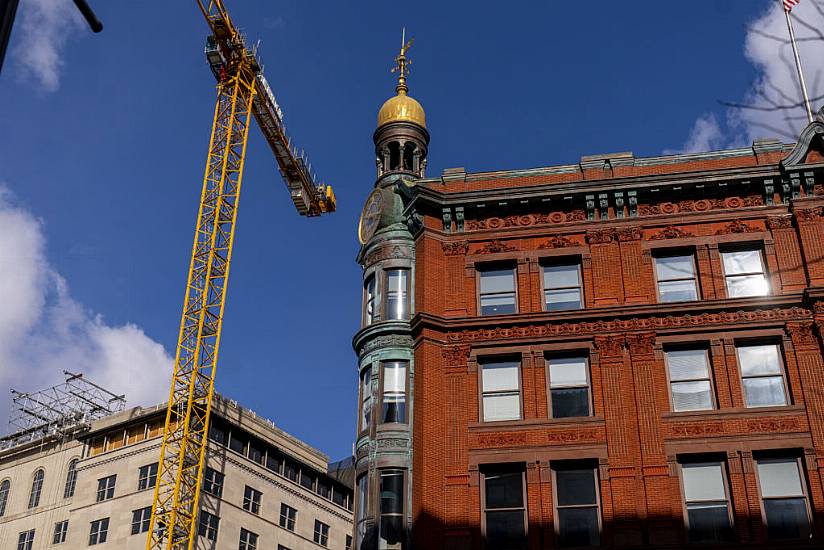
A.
pixel 402 67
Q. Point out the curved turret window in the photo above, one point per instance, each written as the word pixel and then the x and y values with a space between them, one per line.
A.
pixel 394 392
pixel 391 527
pixel 369 301
pixel 397 294
pixel 366 398
pixel 36 488
pixel 71 480
pixel 5 487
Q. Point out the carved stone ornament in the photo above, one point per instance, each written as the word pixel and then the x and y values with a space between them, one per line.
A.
pixel 389 341
pixel 455 356
pixel 767 425
pixel 557 241
pixel 389 253
pixel 526 220
pixel 601 236
pixel 802 333
pixel 494 246
pixel 700 205
pixel 518 439
pixel 735 226
pixel 610 346
pixel 456 248
pixel 641 344
pixel 629 234
pixel 818 307
pixel 670 232
pixel 645 324
pixel 780 222
pixel 818 189
pixel 807 214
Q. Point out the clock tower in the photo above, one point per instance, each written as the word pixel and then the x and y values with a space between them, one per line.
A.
pixel 386 369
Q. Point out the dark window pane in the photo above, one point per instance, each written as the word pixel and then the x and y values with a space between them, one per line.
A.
pixel 307 479
pixel 560 300
pixel 237 443
pixel 569 402
pixel 394 409
pixel 575 487
pixel 709 523
pixel 504 490
pixel 505 531
pixel 255 453
pixel 290 470
pixel 273 461
pixel 498 305
pixel 787 518
pixel 391 492
pixel 217 433
pixel 578 527
pixel 392 529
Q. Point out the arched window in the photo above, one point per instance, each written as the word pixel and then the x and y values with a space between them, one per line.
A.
pixel 394 155
pixel 5 487
pixel 71 479
pixel 36 488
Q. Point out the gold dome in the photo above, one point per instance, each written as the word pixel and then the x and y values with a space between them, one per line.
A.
pixel 401 108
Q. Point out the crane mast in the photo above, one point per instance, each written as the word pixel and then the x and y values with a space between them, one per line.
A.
pixel 242 92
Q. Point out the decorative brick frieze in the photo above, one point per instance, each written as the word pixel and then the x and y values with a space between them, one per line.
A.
pixel 670 232
pixel 780 222
pixel 626 234
pixel 601 236
pixel 557 241
pixel 526 220
pixel 494 246
pixel 455 355
pixel 736 226
pixel 455 248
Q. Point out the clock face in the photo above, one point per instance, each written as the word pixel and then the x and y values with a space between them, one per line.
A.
pixel 370 216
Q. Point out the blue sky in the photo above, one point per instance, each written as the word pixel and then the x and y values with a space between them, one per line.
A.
pixel 104 144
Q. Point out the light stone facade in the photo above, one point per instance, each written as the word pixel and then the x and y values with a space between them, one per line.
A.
pixel 123 443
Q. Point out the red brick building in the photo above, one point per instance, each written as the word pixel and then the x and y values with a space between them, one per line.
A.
pixel 620 353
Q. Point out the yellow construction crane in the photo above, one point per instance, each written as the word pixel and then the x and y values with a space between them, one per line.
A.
pixel 242 91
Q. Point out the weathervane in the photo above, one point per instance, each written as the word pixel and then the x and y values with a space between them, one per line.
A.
pixel 402 67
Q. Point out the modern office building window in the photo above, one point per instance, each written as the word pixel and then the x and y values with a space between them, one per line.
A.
pixel 397 294
pixel 36 488
pixel 71 480
pixel 251 500
pixel 392 499
pixel 369 313
pixel 105 487
pixel 562 287
pixel 497 290
pixel 207 525
pixel 99 531
pixel 5 487
pixel 147 477
pixel 675 275
pixel 25 540
pixel 690 380
pixel 213 482
pixel 577 504
pixel 288 515
pixel 248 540
pixel 394 392
pixel 744 273
pixel 366 398
pixel 569 386
pixel 504 508
pixel 141 519
pixel 321 535
pixel 762 375
pixel 61 529
pixel 500 387
pixel 784 498
pixel 706 498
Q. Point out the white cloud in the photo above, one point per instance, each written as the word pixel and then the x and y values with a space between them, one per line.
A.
pixel 773 100
pixel 44 331
pixel 40 33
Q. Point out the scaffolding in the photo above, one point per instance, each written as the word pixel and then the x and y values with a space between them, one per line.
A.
pixel 59 411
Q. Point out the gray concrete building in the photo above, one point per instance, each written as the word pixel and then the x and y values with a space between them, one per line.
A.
pixel 93 486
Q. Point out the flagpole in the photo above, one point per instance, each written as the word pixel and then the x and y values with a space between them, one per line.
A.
pixel 798 66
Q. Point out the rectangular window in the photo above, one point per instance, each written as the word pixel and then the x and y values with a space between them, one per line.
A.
pixel 213 482
pixel 99 531
pixel 274 462
pixel 576 503
pixel 366 398
pixel 256 452
pixel 392 497
pixel 762 375
pixel 307 479
pixel 784 498
pixel 324 489
pixel 744 273
pixel 501 399
pixel 676 278
pixel 248 540
pixel 569 386
pixel 394 392
pixel 25 540
pixel 207 525
pixel 291 470
pixel 105 488
pixel 397 294
pixel 251 500
pixel 61 529
pixel 321 535
pixel 287 516
pixel 237 442
pixel 562 287
pixel 362 490
pixel 690 383
pixel 504 509
pixel 147 477
pixel 369 301
pixel 218 432
pixel 707 501
pixel 348 542
pixel 141 519
pixel 497 291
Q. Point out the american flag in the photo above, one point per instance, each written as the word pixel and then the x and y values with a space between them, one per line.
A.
pixel 790 4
